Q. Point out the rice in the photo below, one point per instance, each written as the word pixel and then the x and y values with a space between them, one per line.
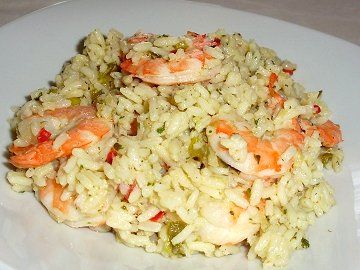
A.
pixel 154 178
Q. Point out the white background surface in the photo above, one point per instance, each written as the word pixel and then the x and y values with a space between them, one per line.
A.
pixel 33 51
pixel 340 18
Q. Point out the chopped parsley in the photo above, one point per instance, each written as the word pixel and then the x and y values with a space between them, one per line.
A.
pixel 161 129
pixel 305 243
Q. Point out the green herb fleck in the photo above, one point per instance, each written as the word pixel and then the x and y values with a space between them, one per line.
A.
pixel 248 193
pixel 53 91
pixel 305 243
pixel 172 101
pixel 118 146
pixel 161 129
pixel 320 94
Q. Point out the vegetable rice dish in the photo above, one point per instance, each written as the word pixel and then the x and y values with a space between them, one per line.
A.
pixel 201 143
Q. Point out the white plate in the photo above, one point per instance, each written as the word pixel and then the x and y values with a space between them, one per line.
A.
pixel 33 50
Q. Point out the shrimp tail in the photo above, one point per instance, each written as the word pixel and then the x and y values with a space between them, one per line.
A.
pixel 35 156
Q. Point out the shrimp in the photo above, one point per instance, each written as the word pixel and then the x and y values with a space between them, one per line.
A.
pixel 329 132
pixel 190 68
pixel 250 154
pixel 87 130
pixel 224 223
pixel 66 211
pixel 277 102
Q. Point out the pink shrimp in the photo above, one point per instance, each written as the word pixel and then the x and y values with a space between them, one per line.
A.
pixel 66 210
pixel 277 101
pixel 225 223
pixel 262 157
pixel 188 69
pixel 88 129
pixel 330 133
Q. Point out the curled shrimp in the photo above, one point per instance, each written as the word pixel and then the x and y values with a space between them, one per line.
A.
pixel 66 210
pixel 83 130
pixel 236 145
pixel 329 132
pixel 189 68
pixel 225 223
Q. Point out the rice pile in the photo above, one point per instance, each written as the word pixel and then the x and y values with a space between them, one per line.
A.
pixel 164 188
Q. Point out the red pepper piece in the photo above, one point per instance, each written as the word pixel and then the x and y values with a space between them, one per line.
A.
pixel 110 156
pixel 317 109
pixel 43 135
pixel 272 80
pixel 215 43
pixel 158 216
pixel 289 71
pixel 131 188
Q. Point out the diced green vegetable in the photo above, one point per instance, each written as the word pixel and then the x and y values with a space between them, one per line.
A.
pixel 167 247
pixel 105 78
pixel 152 55
pixel 74 101
pixel 326 158
pixel 181 45
pixel 178 250
pixel 173 229
pixel 198 152
pixel 305 243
